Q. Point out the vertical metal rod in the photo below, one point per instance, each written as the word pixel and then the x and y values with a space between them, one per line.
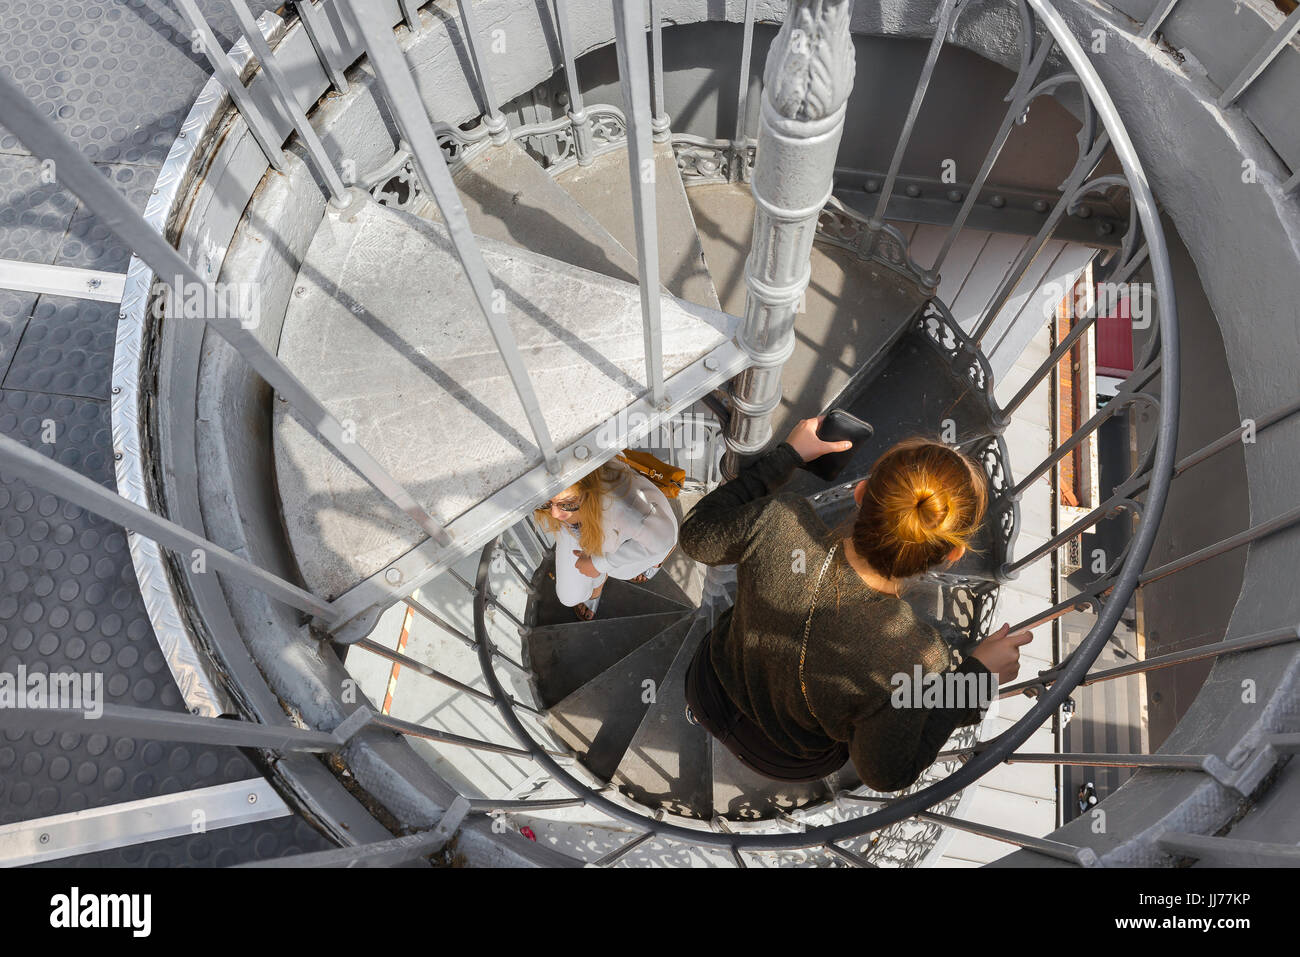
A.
pixel 659 122
pixel 1016 273
pixel 742 94
pixel 1023 83
pixel 629 31
pixel 75 172
pixel 225 71
pixel 283 91
pixel 411 14
pixel 1081 326
pixel 496 122
pixel 1158 16
pixel 325 41
pixel 1260 61
pixel 49 476
pixel 582 138
pixel 408 110
pixel 945 20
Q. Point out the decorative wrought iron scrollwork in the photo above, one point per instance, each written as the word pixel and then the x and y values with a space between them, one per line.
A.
pixel 701 160
pixel 838 225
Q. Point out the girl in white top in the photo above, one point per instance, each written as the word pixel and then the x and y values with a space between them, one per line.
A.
pixel 613 522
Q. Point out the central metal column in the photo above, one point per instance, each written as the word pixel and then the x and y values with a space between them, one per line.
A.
pixel 806 84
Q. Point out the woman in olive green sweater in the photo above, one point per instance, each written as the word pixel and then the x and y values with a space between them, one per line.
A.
pixel 801 674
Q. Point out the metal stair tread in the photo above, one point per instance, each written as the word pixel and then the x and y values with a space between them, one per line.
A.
pixel 854 310
pixel 565 656
pixel 602 188
pixel 740 793
pixel 618 599
pixel 668 761
pixel 509 197
pixel 590 722
pixel 913 391
pixel 378 355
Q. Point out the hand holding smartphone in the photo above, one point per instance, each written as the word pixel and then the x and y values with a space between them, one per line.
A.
pixel 836 427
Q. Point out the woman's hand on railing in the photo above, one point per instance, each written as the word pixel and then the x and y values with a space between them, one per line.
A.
pixel 803 439
pixel 1000 652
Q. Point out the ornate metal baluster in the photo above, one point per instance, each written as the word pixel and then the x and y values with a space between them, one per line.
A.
pixel 807 80
pixel 582 134
pixel 660 122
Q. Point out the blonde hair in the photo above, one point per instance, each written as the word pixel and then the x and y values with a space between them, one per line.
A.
pixel 592 487
pixel 922 500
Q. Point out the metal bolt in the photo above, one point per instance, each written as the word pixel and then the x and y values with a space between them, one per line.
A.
pixel 1040 205
pixel 45 838
pixel 252 799
pixel 711 363
pixel 871 185
pixel 117 456
pixel 300 291
pixel 94 283
pixel 997 201
pixel 117 389
pixel 581 453
pixel 913 190
pixel 392 575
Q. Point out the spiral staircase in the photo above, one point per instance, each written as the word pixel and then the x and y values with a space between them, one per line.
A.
pixel 472 286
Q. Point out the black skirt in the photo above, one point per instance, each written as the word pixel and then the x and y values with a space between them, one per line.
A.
pixel 718 715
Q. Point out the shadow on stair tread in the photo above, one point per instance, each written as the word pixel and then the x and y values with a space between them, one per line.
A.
pixel 741 794
pixel 602 188
pixel 668 762
pixel 600 719
pixel 618 599
pixel 508 196
pixel 564 657
pixel 853 311
pixel 913 393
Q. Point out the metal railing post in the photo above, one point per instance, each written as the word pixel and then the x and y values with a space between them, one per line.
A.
pixel 806 84
pixel 496 122
pixel 258 125
pixel 325 41
pixel 583 145
pixel 629 33
pixel 283 91
pixel 408 111
pixel 659 122
pixel 739 142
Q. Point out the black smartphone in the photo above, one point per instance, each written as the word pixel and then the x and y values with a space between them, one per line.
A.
pixel 836 427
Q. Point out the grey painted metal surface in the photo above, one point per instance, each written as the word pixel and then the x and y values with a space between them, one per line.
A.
pixel 60 837
pixel 409 112
pixel 629 29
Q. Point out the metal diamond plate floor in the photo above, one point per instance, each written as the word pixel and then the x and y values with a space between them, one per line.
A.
pixel 119 75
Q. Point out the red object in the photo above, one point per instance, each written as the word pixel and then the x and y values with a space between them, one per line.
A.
pixel 528 833
pixel 1115 342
